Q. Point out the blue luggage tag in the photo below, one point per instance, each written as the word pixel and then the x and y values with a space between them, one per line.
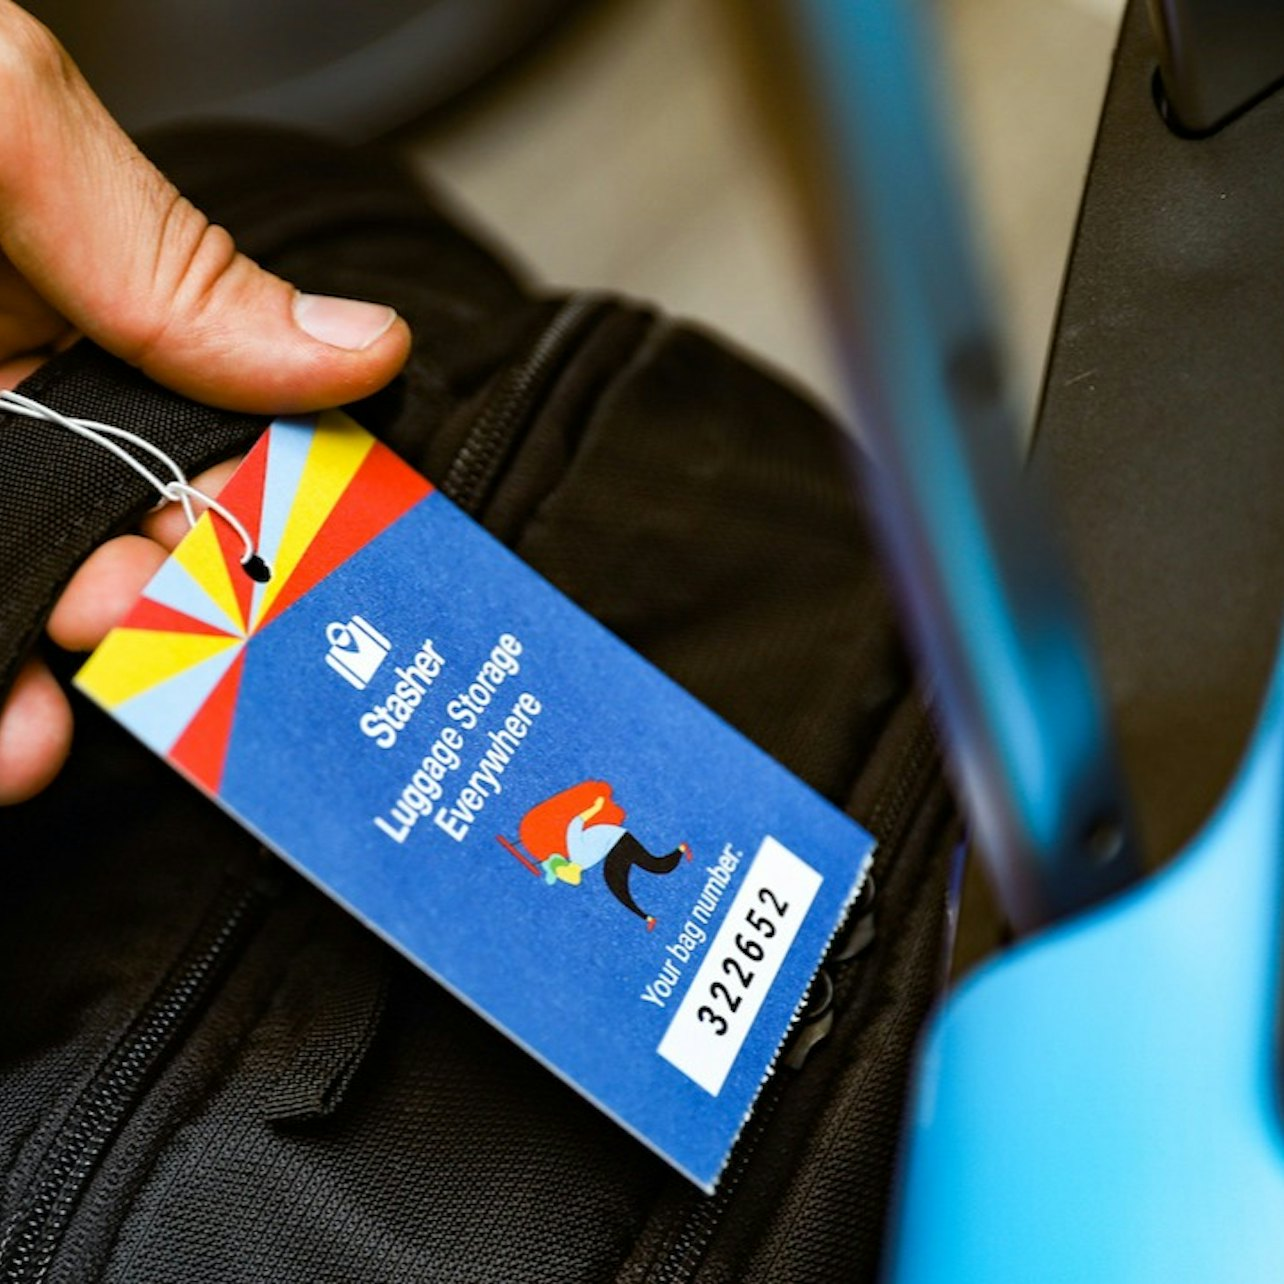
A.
pixel 486 777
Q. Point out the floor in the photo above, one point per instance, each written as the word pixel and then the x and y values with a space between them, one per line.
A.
pixel 628 154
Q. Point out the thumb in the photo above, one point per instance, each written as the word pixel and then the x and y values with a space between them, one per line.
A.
pixel 108 242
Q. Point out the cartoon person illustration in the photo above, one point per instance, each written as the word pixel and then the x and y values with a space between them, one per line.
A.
pixel 583 827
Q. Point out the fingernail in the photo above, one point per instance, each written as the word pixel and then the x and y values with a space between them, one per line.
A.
pixel 342 323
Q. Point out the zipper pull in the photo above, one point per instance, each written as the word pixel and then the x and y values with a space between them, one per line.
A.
pixel 816 1022
pixel 817 1019
pixel 860 925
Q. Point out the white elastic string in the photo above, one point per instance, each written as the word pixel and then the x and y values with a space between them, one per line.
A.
pixel 17 404
pixel 179 491
pixel 152 450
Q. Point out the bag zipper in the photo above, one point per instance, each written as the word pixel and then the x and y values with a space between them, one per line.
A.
pixel 32 1237
pixel 892 817
pixel 31 1240
pixel 508 408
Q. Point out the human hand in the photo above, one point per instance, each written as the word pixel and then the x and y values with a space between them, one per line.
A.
pixel 95 241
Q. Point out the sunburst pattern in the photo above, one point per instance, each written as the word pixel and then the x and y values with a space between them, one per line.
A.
pixel 312 493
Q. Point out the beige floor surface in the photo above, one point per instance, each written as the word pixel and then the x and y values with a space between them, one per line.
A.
pixel 627 155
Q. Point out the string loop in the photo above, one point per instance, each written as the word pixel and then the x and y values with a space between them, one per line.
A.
pixel 176 490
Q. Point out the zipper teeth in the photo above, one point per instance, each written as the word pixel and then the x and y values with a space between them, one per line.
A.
pixel 479 458
pixel 892 812
pixel 31 1239
pixel 688 1249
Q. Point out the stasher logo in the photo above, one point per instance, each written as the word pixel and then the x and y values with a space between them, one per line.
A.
pixel 357 649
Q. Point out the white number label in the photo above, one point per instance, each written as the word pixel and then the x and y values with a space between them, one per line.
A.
pixel 720 1005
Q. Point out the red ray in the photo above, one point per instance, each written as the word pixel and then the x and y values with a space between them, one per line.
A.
pixel 244 496
pixel 147 614
pixel 243 493
pixel 201 749
pixel 381 490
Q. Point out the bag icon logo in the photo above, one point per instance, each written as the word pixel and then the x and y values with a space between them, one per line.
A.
pixel 357 649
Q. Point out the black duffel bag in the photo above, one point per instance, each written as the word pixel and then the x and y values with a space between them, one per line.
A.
pixel 208 1072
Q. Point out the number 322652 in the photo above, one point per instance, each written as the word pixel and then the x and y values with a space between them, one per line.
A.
pixel 761 926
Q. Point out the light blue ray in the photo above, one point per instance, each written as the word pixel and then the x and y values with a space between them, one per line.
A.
pixel 289 441
pixel 161 714
pixel 173 585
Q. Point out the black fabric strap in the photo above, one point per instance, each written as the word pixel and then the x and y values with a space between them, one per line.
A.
pixel 61 496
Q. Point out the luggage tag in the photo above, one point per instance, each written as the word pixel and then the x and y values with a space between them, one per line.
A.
pixel 491 781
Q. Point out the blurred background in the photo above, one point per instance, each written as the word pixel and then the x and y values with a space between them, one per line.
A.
pixel 618 143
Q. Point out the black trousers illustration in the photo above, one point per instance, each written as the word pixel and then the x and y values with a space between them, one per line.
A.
pixel 620 861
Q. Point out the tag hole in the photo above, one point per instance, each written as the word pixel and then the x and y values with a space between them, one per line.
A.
pixel 257 569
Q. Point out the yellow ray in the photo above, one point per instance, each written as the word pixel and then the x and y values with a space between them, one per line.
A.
pixel 339 447
pixel 131 661
pixel 200 555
